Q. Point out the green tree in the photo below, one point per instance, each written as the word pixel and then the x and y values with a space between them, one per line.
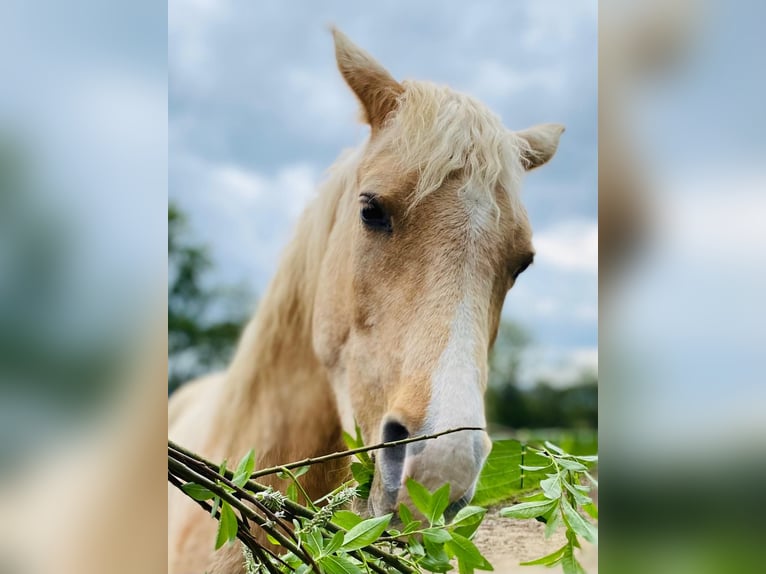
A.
pixel 504 399
pixel 204 321
pixel 545 405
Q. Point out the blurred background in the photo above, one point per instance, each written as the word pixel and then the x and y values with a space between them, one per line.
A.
pixel 83 276
pixel 258 112
pixel 682 275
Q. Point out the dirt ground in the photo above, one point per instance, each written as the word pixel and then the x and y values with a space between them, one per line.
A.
pixel 505 542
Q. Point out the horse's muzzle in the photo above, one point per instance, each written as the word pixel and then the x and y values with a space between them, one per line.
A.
pixel 455 459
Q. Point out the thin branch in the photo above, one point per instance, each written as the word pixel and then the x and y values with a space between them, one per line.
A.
pixel 209 470
pixel 345 453
pixel 176 452
pixel 242 532
pixel 188 474
pixel 259 553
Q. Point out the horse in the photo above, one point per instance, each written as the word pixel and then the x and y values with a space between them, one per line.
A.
pixel 383 309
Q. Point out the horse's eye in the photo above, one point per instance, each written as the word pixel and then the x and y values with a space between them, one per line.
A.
pixel 373 215
pixel 523 267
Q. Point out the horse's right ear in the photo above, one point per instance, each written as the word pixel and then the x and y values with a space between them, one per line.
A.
pixel 542 141
pixel 376 90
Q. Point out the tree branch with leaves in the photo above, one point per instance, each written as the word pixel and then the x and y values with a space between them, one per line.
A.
pixel 324 536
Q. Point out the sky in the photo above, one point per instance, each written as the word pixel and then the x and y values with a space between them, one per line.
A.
pixel 257 112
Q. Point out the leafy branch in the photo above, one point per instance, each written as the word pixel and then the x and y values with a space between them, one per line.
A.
pixel 322 536
pixel 326 538
pixel 565 491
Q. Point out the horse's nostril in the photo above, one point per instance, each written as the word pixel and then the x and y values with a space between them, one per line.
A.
pixel 391 460
pixel 393 431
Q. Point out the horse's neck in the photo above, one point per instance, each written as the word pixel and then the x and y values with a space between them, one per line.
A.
pixel 277 398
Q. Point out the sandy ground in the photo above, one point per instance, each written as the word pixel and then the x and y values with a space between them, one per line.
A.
pixel 506 541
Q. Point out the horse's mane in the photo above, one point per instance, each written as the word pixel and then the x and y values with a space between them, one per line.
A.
pixel 437 131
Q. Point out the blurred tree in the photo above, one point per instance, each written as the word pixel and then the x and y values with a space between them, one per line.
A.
pixel 204 322
pixel 504 400
pixel 572 405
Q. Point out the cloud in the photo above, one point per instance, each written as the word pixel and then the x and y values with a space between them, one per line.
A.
pixel 493 80
pixel 246 216
pixel 570 245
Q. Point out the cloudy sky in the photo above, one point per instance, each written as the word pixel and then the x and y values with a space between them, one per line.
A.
pixel 258 111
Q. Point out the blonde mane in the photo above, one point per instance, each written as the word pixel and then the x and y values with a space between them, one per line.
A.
pixel 436 131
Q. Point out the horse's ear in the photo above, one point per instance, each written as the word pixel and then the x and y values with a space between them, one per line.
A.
pixel 377 91
pixel 542 142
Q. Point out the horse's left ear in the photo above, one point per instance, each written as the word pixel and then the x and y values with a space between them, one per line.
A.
pixel 542 142
pixel 377 91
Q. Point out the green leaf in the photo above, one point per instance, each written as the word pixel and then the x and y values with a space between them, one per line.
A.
pixel 500 478
pixel 313 540
pixel 363 475
pixel 550 559
pixel 554 522
pixel 227 526
pixel 335 542
pixel 554 448
pixel 366 532
pixel 346 519
pixel 468 515
pixel 551 487
pixel 569 563
pixel 435 550
pixel 528 509
pixel 593 480
pixel 357 442
pixel 571 465
pixel 415 547
pixel 466 551
pixel 272 540
pixel 350 441
pixel 292 492
pixel 420 496
pixel 301 470
pixel 580 498
pixel 405 515
pixel 244 469
pixel 196 491
pixel 433 565
pixel 339 565
pixel 467 520
pixel 439 503
pixel 591 509
pixel 578 524
pixel 533 468
pixel 588 458
pixel 437 535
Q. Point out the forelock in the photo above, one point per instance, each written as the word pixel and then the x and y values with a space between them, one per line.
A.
pixel 437 131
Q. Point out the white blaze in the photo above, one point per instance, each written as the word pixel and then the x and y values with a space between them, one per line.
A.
pixel 457 390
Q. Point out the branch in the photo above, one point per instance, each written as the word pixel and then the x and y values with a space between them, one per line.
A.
pixel 180 460
pixel 179 469
pixel 345 453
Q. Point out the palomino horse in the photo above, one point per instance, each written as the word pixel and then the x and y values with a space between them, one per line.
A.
pixel 382 311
